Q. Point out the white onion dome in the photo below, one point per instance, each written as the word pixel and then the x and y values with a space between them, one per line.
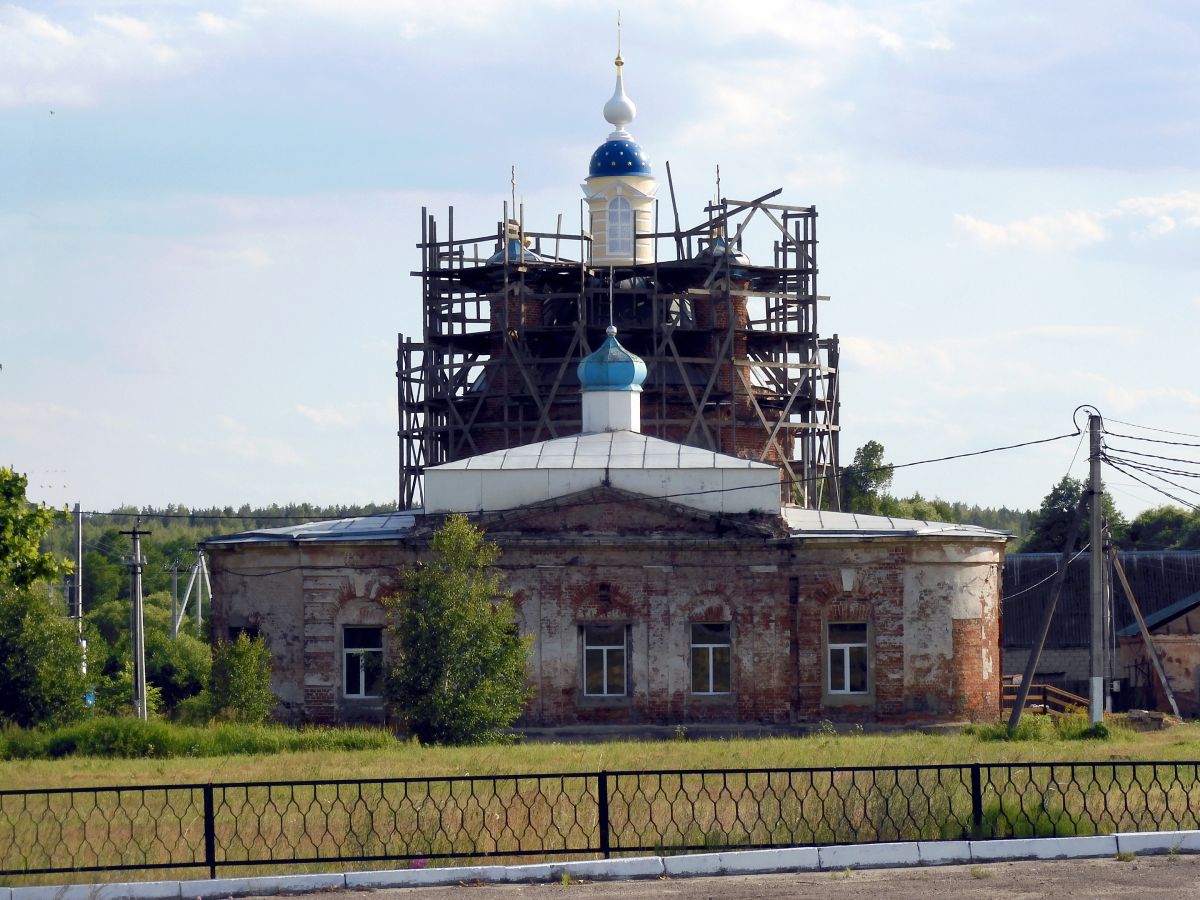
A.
pixel 620 154
pixel 611 367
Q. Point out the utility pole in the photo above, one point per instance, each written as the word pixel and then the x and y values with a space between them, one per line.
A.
pixel 138 624
pixel 77 589
pixel 1097 560
pixel 174 598
pixel 77 582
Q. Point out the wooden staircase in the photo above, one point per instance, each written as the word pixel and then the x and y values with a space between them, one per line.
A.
pixel 1043 698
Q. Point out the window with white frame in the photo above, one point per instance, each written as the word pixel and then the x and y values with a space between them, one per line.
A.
pixel 620 226
pixel 604 660
pixel 362 654
pixel 710 659
pixel 849 662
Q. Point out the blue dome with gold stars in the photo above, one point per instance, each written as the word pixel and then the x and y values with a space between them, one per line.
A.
pixel 619 156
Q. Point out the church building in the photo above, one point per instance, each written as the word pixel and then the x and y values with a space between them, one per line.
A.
pixel 663 583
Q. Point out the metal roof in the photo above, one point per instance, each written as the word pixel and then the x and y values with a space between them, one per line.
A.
pixel 604 449
pixel 1163 616
pixel 1158 578
pixel 822 523
pixel 380 527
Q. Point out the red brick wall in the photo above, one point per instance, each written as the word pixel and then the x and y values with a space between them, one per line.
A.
pixel 934 627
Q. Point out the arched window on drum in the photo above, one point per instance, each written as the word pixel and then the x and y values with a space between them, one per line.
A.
pixel 620 226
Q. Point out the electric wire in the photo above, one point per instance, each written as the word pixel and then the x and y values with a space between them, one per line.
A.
pixel 1038 584
pixel 1153 487
pixel 1154 473
pixel 1135 437
pixel 1160 430
pixel 1193 462
pixel 299 519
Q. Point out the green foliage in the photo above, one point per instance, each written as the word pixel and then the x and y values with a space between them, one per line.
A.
pixel 864 485
pixel 459 670
pixel 175 669
pixel 41 679
pixel 180 668
pixel 22 527
pixel 1074 725
pixel 866 480
pixel 106 736
pixel 240 685
pixel 113 687
pixel 1053 519
pixel 1164 528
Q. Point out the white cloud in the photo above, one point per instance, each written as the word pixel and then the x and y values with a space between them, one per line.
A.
pixel 211 23
pixel 1149 216
pixel 82 61
pixel 127 26
pixel 348 415
pixel 326 417
pixel 876 353
pixel 1048 234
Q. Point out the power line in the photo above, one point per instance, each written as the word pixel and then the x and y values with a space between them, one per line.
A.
pixel 1152 487
pixel 1193 462
pixel 1134 437
pixel 1153 472
pixel 1160 430
pixel 1008 597
pixel 300 519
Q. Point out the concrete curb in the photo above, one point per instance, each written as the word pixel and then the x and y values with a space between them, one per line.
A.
pixel 739 862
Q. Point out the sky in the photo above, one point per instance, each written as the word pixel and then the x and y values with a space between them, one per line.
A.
pixel 208 214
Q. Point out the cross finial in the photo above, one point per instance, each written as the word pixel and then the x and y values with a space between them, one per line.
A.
pixel 619 61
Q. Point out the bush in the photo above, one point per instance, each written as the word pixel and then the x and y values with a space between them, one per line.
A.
pixel 459 671
pixel 1074 725
pixel 240 686
pixel 128 738
pixel 41 677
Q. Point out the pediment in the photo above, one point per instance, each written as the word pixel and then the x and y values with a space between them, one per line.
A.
pixel 611 512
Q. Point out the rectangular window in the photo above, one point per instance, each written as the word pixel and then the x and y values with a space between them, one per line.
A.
pixel 362 650
pixel 604 660
pixel 710 659
pixel 848 659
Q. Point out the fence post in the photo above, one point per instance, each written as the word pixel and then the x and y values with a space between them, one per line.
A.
pixel 602 798
pixel 210 833
pixel 976 802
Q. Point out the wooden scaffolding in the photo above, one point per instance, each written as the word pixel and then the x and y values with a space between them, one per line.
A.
pixel 735 361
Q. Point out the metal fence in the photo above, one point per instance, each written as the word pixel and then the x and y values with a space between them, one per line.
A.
pixel 211 826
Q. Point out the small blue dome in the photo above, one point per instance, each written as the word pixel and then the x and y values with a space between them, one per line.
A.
pixel 516 253
pixel 611 368
pixel 619 156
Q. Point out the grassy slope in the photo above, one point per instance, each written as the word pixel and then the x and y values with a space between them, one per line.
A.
pixel 1180 743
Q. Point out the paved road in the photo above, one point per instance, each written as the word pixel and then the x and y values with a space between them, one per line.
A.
pixel 1146 877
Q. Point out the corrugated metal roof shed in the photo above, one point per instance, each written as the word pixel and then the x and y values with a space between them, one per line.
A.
pixel 1158 578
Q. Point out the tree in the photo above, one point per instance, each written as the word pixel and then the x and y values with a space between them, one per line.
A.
pixel 22 527
pixel 1164 528
pixel 1053 519
pixel 866 480
pixel 41 676
pixel 240 685
pixel 458 675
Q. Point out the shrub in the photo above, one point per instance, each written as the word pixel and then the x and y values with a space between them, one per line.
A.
pixel 41 677
pixel 129 738
pixel 459 672
pixel 240 686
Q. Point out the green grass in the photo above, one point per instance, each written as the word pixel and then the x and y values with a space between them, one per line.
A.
pixel 431 819
pixel 228 753
pixel 125 738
